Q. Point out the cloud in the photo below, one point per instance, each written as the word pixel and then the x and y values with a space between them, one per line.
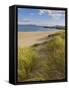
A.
pixel 56 14
pixel 53 13
pixel 41 12
pixel 24 21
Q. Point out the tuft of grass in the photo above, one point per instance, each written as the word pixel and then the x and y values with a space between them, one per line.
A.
pixel 26 56
pixel 46 62
pixel 55 52
pixel 61 34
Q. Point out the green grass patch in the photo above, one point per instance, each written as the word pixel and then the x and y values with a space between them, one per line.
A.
pixel 43 63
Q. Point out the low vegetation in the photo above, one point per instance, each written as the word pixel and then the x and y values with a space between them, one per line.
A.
pixel 43 62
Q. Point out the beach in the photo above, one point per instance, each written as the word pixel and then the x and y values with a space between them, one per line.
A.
pixel 26 39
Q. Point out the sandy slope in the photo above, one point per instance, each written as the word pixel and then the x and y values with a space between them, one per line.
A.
pixel 31 38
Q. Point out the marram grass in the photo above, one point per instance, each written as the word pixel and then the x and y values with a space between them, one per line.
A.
pixel 44 62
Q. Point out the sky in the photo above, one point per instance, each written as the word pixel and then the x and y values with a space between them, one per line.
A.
pixel 42 17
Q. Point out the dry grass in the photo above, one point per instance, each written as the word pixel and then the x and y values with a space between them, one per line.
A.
pixel 43 62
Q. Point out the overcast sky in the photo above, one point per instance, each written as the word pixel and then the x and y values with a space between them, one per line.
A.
pixel 41 16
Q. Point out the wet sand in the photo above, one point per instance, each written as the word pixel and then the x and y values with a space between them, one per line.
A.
pixel 26 39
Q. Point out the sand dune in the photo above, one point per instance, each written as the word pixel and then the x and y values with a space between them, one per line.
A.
pixel 31 38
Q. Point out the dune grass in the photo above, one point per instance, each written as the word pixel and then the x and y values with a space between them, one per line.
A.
pixel 44 62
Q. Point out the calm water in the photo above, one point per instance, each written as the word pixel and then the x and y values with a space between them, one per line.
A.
pixel 33 28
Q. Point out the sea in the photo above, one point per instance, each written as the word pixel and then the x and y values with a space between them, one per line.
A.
pixel 34 28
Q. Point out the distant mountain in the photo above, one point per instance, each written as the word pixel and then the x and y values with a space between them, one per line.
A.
pixel 55 27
